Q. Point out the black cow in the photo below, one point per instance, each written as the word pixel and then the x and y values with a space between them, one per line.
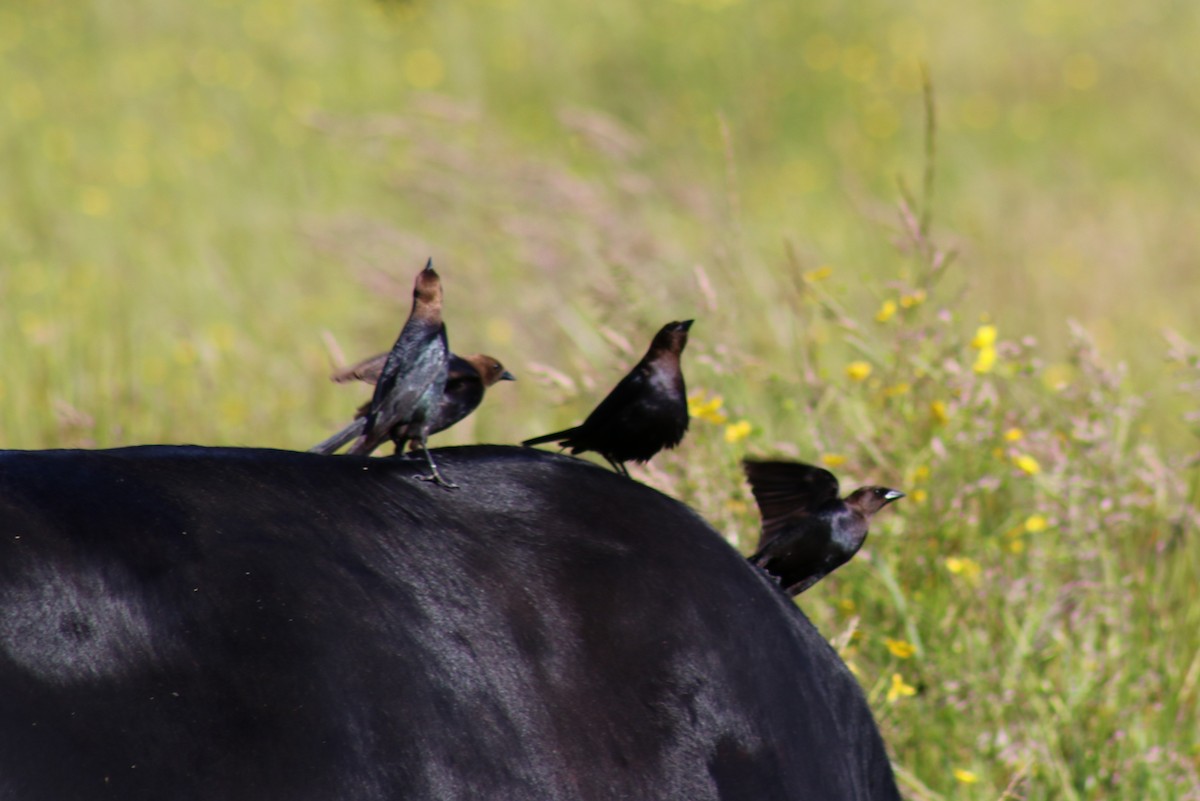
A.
pixel 182 623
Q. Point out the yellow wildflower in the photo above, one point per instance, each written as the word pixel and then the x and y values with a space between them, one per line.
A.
pixel 833 460
pixel 1016 545
pixel 897 390
pixel 963 566
pixel 858 371
pixel 899 648
pixel 736 432
pixel 965 776
pixel 985 337
pixel 886 312
pixel 1035 524
pixel 921 473
pixel 707 409
pixel 847 606
pixel 1027 464
pixel 915 299
pixel 920 496
pixel 1013 434
pixel 899 689
pixel 985 361
pixel 819 274
pixel 937 408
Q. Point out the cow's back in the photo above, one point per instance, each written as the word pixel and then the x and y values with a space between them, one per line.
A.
pixel 226 624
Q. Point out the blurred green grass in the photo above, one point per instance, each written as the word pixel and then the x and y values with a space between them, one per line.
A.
pixel 203 203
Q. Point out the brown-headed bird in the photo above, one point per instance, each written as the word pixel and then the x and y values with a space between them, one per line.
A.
pixel 467 379
pixel 413 377
pixel 808 531
pixel 646 411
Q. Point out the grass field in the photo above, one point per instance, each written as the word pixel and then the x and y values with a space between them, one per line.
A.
pixel 205 204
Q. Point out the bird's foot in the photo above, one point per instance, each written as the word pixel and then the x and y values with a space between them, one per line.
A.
pixel 618 466
pixel 434 474
pixel 437 478
pixel 774 578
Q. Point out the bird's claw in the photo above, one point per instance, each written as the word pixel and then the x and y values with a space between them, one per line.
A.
pixel 436 478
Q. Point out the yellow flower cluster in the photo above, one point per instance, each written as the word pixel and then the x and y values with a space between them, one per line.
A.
pixel 1027 464
pixel 710 409
pixel 1034 524
pixel 899 689
pixel 736 432
pixel 858 371
pixel 984 342
pixel 888 309
pixel 707 408
pixel 899 648
pixel 965 776
pixel 963 566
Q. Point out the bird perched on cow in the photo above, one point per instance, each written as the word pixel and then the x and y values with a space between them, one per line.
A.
pixel 808 531
pixel 646 411
pixel 413 378
pixel 467 379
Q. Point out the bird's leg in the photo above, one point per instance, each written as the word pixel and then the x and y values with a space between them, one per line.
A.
pixel 434 475
pixel 619 467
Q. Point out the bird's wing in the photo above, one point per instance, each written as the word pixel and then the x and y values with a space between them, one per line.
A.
pixel 786 490
pixel 798 553
pixel 367 370
pixel 831 562
pixel 620 402
pixel 463 393
pixel 459 368
pixel 411 367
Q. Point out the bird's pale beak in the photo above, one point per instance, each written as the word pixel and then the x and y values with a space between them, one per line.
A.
pixel 892 495
pixel 507 376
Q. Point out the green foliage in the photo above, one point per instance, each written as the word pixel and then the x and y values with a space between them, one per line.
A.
pixel 204 204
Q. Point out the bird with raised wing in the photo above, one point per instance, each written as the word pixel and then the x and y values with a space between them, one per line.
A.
pixel 808 531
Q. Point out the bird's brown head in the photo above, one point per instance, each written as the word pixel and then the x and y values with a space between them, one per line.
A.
pixel 870 500
pixel 672 337
pixel 489 368
pixel 427 291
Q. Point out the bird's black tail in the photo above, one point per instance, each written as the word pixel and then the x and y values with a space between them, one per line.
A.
pixel 338 440
pixel 555 437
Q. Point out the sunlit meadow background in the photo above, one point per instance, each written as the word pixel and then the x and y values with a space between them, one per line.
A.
pixel 204 205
